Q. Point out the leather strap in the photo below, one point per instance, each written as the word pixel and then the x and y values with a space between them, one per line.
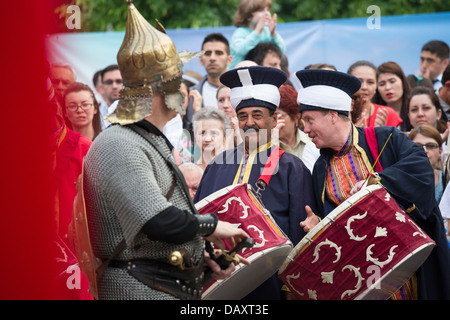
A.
pixel 269 168
pixel 120 247
pixel 371 139
pixel 186 284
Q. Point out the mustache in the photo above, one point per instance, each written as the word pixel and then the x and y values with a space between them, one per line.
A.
pixel 254 127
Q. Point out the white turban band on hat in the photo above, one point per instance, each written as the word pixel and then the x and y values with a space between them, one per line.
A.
pixel 326 97
pixel 265 92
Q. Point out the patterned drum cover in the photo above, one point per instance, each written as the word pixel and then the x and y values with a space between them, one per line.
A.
pixel 366 248
pixel 237 205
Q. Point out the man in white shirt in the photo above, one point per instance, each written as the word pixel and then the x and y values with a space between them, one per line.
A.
pixel 216 59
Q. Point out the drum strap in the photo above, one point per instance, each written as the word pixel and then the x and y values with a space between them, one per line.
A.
pixel 269 168
pixel 371 139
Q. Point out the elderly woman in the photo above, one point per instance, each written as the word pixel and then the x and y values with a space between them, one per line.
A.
pixel 82 110
pixel 210 128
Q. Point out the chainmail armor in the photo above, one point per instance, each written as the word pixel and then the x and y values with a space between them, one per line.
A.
pixel 126 181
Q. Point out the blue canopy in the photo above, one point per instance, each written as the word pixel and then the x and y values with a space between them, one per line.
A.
pixel 338 42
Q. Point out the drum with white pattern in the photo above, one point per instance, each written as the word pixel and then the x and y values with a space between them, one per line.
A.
pixel 238 205
pixel 366 248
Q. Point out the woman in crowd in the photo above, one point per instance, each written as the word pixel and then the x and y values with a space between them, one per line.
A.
pixel 393 91
pixel 424 108
pixel 83 110
pixel 210 127
pixel 373 115
pixel 430 139
pixel 224 103
pixel 292 139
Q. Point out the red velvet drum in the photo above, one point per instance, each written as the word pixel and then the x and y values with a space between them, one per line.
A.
pixel 366 248
pixel 238 205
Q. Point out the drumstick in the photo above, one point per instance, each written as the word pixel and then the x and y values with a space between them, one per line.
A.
pixel 376 161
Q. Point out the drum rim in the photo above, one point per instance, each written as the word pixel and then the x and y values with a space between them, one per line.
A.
pixel 199 205
pixel 426 246
pixel 321 226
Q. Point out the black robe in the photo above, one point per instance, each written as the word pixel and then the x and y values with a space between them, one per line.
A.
pixel 408 176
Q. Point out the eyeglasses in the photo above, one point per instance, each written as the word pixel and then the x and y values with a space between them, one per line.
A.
pixel 84 106
pixel 111 81
pixel 429 146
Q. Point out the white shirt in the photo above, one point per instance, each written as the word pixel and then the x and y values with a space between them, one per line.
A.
pixel 444 205
pixel 310 154
pixel 437 82
pixel 209 93
pixel 173 130
pixel 103 113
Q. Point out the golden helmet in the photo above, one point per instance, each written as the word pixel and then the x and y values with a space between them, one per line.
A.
pixel 147 57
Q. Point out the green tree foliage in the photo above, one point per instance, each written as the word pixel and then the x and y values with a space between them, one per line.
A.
pixel 294 10
pixel 102 15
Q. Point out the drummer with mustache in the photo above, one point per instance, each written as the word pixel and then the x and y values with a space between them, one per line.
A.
pixel 255 96
pixel 346 162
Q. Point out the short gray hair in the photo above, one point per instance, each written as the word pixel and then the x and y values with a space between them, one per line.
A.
pixel 66 66
pixel 191 167
pixel 212 113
